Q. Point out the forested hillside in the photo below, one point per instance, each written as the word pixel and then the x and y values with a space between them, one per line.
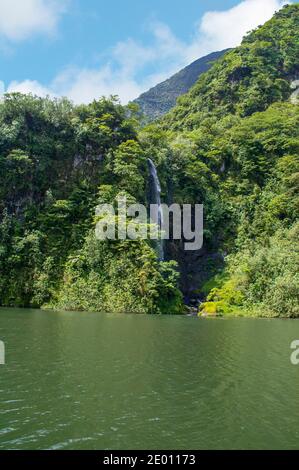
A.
pixel 231 143
pixel 57 163
pixel 234 145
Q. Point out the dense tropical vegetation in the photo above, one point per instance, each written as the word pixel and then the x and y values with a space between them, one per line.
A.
pixel 57 163
pixel 231 143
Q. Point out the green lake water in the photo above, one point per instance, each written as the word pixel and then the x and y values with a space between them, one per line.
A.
pixel 95 381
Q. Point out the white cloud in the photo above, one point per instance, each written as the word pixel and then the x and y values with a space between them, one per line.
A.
pixel 85 85
pixel 19 19
pixel 127 75
pixel 120 76
pixel 29 86
pixel 224 29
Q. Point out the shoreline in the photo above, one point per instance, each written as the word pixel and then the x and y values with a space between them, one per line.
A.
pixel 238 315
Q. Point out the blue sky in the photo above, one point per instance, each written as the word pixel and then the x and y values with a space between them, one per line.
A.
pixel 87 48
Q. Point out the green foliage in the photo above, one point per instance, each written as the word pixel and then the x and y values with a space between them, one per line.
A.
pixel 127 168
pixel 121 277
pixel 267 273
pixel 53 159
pixel 227 299
pixel 261 187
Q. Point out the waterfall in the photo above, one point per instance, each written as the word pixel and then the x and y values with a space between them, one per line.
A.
pixel 156 199
pixel 295 95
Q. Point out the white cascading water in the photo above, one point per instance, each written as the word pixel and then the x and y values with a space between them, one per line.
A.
pixel 158 214
pixel 295 95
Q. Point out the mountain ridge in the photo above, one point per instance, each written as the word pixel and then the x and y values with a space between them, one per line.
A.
pixel 157 101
